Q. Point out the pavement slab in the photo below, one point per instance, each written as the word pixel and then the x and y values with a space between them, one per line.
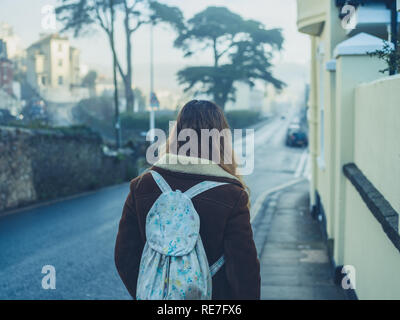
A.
pixel 292 252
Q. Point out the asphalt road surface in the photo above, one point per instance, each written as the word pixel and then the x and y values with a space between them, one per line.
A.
pixel 77 236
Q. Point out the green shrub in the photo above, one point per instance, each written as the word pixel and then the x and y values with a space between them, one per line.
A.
pixel 239 119
pixel 390 56
pixel 140 120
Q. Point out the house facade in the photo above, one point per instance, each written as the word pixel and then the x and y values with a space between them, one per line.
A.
pixel 354 120
pixel 53 67
pixel 247 98
pixel 13 42
pixel 6 75
pixel 9 89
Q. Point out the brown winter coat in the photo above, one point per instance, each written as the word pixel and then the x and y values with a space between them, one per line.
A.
pixel 224 227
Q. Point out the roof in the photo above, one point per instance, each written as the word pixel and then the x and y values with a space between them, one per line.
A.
pixel 54 36
pixel 360 44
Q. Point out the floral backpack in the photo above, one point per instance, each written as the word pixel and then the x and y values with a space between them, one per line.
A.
pixel 174 264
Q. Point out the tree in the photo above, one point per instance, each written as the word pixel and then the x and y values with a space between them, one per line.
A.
pixel 390 54
pixel 78 15
pixel 140 98
pixel 241 51
pixel 93 111
pixel 89 81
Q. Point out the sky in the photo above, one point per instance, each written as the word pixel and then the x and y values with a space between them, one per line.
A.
pixel 291 64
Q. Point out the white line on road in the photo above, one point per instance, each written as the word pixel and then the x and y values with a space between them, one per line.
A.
pixel 301 165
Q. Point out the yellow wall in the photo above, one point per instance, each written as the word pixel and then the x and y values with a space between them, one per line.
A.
pixel 336 35
pixel 323 178
pixel 377 154
pixel 377 135
pixel 371 142
pixel 369 250
pixel 311 15
pixel 361 125
pixel 350 72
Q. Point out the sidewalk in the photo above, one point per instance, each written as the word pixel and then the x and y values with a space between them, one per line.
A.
pixel 293 255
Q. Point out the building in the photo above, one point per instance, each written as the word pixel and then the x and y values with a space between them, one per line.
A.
pixel 6 70
pixel 10 103
pixel 247 98
pixel 52 63
pixel 3 49
pixel 6 75
pixel 9 91
pixel 53 67
pixel 354 121
pixel 12 41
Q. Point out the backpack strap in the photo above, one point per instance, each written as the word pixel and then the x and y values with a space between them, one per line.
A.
pixel 162 184
pixel 192 192
pixel 217 265
pixel 201 187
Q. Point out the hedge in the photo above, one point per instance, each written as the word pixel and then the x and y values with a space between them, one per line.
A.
pixel 140 120
pixel 239 119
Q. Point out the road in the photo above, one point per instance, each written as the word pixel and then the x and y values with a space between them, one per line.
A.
pixel 77 236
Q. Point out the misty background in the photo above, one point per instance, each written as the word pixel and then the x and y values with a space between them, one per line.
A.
pixel 290 65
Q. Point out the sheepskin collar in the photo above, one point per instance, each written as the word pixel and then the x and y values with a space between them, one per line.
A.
pixel 192 165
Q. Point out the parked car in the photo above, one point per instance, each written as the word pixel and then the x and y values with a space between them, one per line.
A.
pixel 35 110
pixel 296 136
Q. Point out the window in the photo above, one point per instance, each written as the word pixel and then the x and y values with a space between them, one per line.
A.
pixel 60 62
pixel 60 47
pixel 43 80
pixel 60 80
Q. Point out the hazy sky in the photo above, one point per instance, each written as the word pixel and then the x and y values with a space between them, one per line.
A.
pixel 291 64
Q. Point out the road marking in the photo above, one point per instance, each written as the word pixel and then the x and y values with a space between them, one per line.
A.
pixel 301 165
pixel 261 198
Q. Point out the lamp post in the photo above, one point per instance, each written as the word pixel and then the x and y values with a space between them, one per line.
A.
pixel 117 117
pixel 116 102
pixel 151 84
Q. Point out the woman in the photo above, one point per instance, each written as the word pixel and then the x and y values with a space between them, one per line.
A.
pixel 224 211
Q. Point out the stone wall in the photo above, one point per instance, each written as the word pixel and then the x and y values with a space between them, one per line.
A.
pixel 38 165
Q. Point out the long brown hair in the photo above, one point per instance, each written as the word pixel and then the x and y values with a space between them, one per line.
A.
pixel 203 114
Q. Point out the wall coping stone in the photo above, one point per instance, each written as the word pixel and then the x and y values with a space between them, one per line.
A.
pixel 375 201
